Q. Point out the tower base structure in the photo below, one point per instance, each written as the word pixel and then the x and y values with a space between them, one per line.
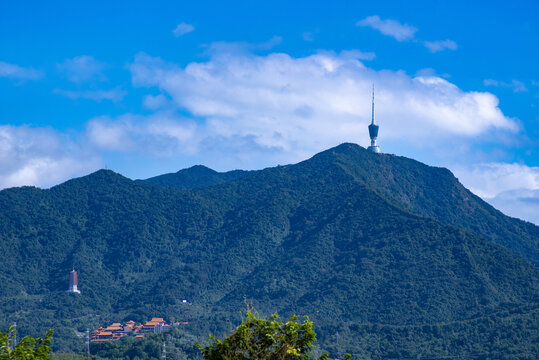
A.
pixel 374 148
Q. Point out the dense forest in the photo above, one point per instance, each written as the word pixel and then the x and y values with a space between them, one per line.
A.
pixel 389 257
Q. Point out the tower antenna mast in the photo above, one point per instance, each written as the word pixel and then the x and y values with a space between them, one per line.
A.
pixel 372 103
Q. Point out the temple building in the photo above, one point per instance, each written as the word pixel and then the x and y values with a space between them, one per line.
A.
pixel 73 282
pixel 116 331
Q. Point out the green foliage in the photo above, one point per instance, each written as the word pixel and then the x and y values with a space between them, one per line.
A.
pixel 265 339
pixel 27 349
pixel 346 237
pixel 129 348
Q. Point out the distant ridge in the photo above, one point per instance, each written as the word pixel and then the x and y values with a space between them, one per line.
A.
pixel 195 177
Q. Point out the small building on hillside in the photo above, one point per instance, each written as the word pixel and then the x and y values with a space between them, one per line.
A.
pixel 155 325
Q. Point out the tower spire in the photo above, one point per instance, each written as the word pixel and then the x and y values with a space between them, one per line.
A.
pixel 372 104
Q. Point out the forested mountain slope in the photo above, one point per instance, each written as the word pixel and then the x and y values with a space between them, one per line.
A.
pixel 368 245
pixel 436 193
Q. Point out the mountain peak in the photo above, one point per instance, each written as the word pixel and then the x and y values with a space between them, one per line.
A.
pixel 197 169
pixel 197 176
pixel 101 177
pixel 104 173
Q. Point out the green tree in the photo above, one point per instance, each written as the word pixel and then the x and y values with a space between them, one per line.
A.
pixel 262 339
pixel 27 349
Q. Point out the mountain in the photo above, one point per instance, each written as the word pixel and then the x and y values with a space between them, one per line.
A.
pixel 195 177
pixel 389 257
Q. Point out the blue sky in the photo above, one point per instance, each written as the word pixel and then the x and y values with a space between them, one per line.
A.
pixel 147 88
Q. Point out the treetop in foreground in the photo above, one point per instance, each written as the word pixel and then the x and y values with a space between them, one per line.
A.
pixel 27 349
pixel 265 339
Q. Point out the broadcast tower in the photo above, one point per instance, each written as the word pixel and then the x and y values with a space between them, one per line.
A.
pixel 373 129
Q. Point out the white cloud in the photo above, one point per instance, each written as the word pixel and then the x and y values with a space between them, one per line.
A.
pixel 156 102
pixel 353 54
pixel 490 179
pixel 183 29
pixel 439 45
pixel 515 85
pixel 393 28
pixel 83 68
pixel 222 48
pixel 161 134
pixel 511 188
pixel 430 72
pixel 404 32
pixel 113 95
pixel 274 41
pixel 520 203
pixel 40 157
pixel 19 73
pixel 298 106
